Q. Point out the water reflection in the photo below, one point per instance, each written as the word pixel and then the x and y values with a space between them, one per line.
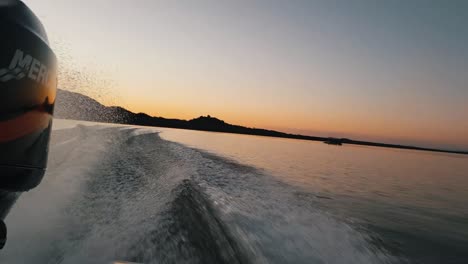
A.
pixel 415 200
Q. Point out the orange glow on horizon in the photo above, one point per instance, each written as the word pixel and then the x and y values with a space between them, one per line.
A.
pixel 370 129
pixel 313 73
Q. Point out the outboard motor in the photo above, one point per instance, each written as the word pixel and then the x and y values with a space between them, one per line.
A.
pixel 28 82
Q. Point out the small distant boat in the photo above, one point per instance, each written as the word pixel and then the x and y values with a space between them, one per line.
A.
pixel 333 141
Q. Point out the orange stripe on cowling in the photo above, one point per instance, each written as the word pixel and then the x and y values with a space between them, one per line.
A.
pixel 23 125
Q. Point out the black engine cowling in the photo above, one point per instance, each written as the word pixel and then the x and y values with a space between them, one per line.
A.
pixel 28 82
pixel 27 94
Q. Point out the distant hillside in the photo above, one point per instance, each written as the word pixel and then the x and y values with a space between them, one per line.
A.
pixel 70 105
pixel 76 106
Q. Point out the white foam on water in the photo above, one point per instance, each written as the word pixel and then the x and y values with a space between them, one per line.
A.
pixel 96 203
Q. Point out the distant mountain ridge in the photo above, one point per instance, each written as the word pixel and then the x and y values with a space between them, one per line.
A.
pixel 72 105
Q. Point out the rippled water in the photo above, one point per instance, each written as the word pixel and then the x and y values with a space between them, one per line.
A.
pixel 180 196
pixel 411 203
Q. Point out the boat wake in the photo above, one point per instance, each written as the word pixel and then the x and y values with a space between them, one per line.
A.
pixel 124 193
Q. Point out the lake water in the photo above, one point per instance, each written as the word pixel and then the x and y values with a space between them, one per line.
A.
pixel 158 195
pixel 413 203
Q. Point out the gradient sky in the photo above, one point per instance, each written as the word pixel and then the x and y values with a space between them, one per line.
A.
pixel 394 71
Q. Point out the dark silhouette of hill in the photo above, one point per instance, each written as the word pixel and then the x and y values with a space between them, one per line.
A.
pixel 71 105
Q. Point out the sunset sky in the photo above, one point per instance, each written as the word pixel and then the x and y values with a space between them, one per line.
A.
pixel 393 71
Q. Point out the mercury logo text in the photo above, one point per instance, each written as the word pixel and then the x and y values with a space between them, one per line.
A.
pixel 22 66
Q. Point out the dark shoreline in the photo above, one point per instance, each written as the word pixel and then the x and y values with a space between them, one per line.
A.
pixel 76 106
